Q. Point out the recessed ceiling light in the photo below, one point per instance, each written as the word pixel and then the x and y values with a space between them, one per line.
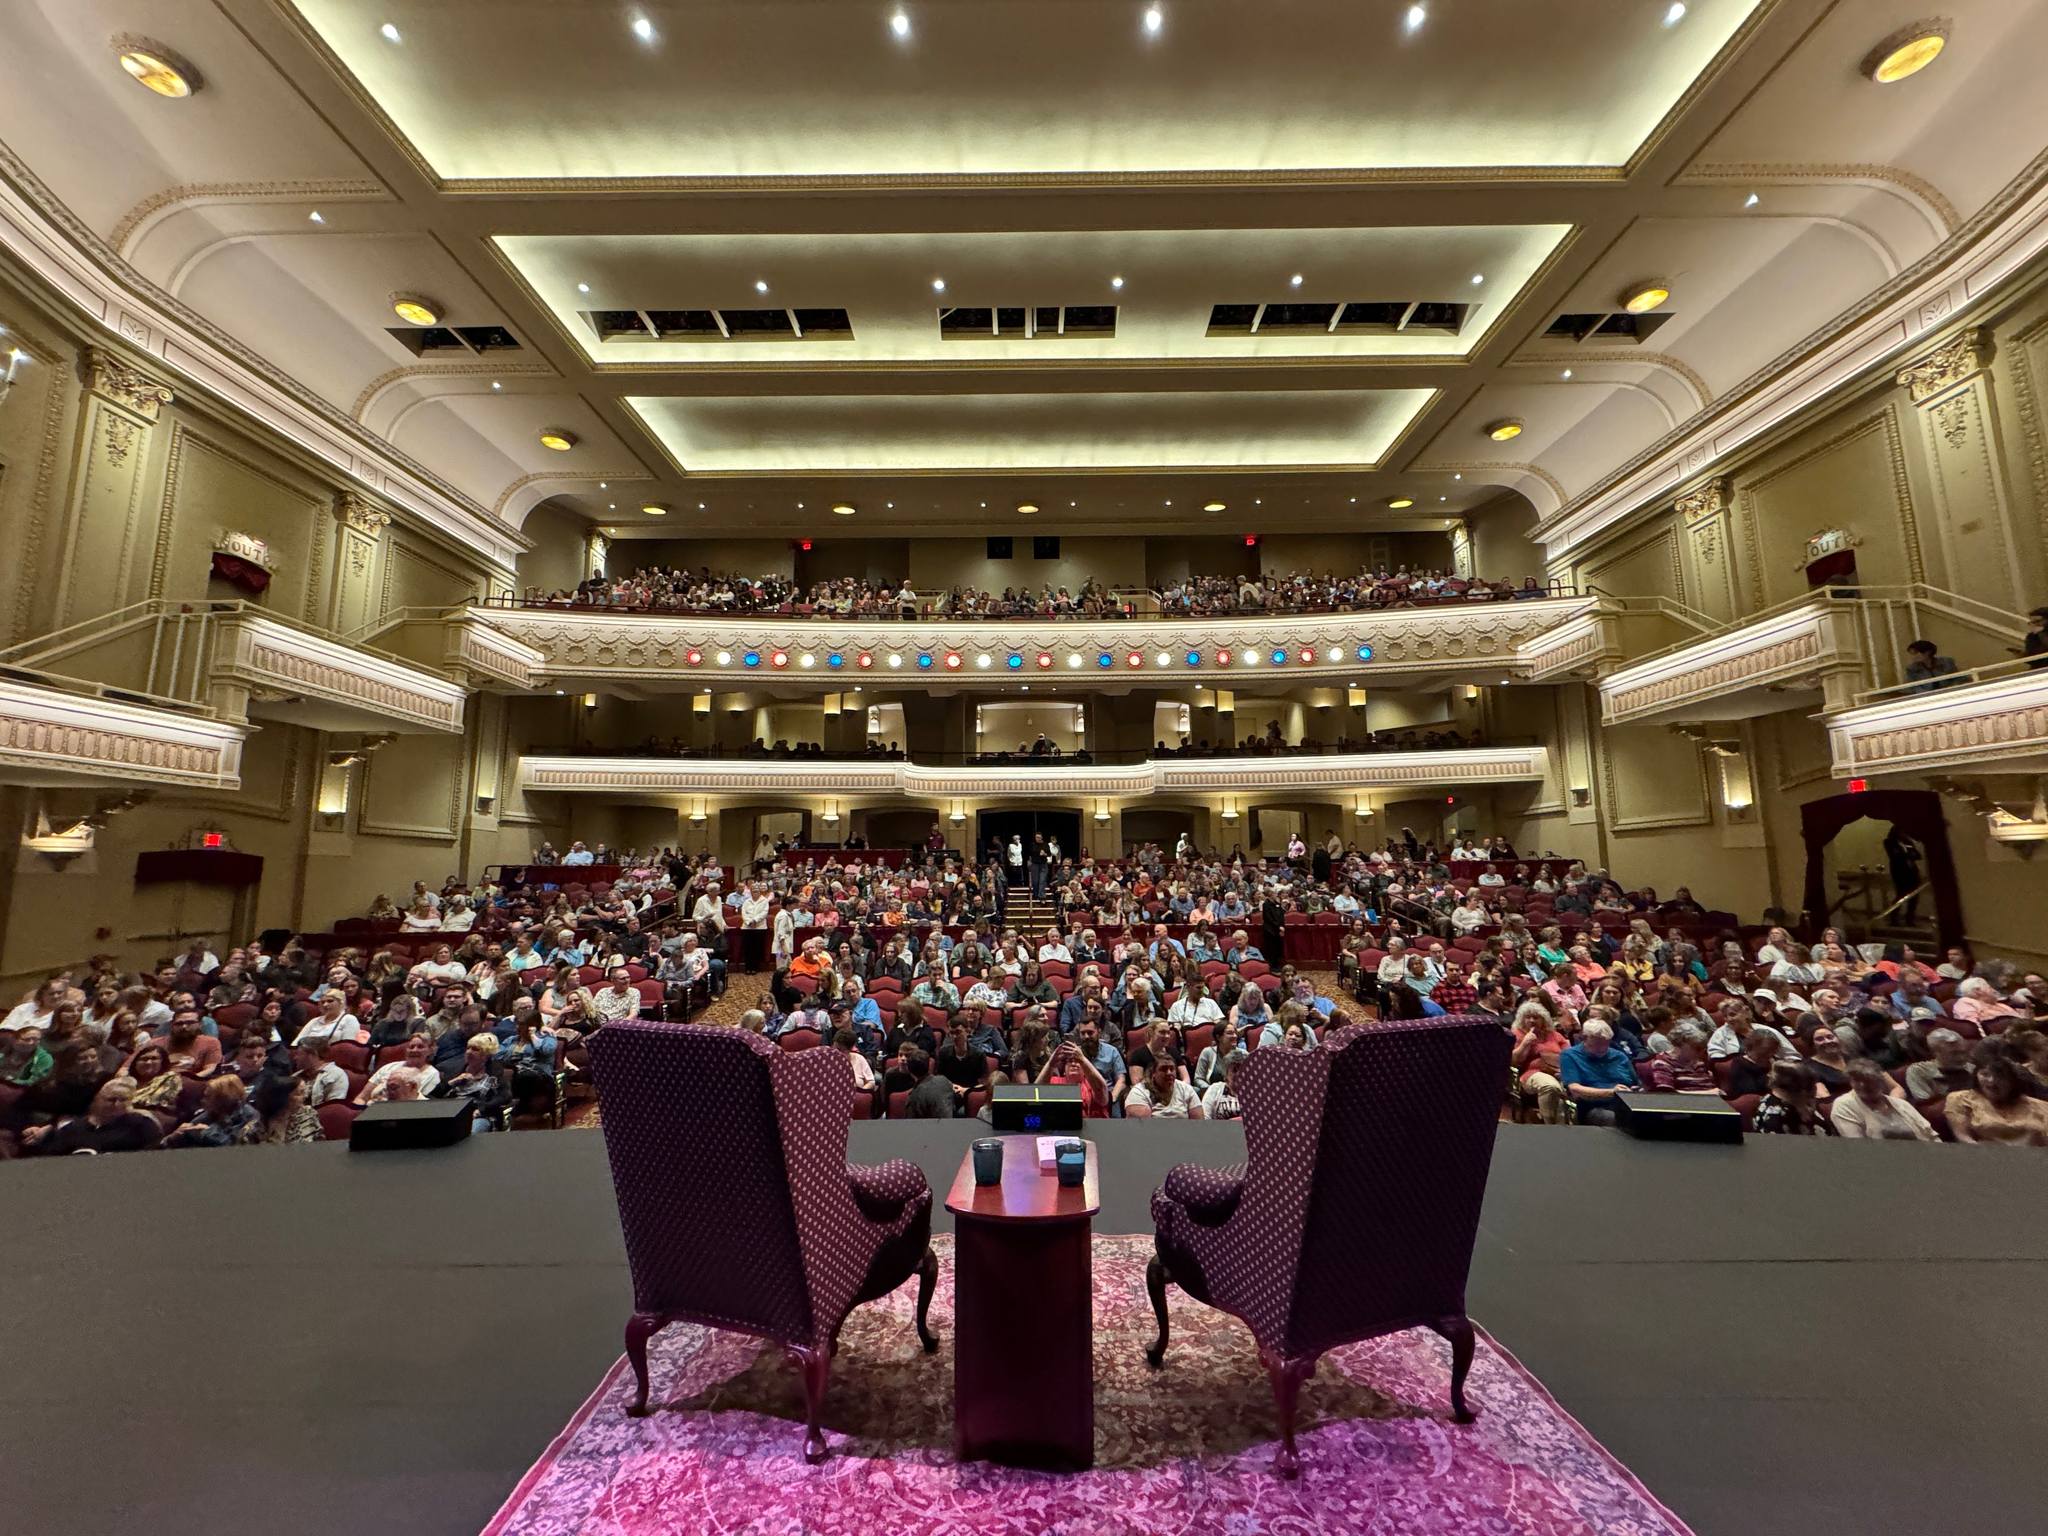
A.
pixel 495 384
pixel 1401 501
pixel 604 485
pixel 560 439
pixel 1458 477
pixel 654 508
pixel 760 285
pixel 1674 13
pixel 844 508
pixel 1640 298
pixel 583 287
pixel 900 24
pixel 1258 501
pixel 1027 507
pixel 984 505
pixel 643 29
pixel 799 506
pixel 390 33
pixel 415 309
pixel 1443 498
pixel 613 505
pixel 700 506
pixel 317 216
pixel 1906 52
pixel 1354 501
pixel 1294 281
pixel 155 68
pixel 1566 374
pixel 1478 278
pixel 1416 16
pixel 1751 201
pixel 1504 430
pixel 938 285
pixel 1214 506
pixel 1154 19
pixel 1116 282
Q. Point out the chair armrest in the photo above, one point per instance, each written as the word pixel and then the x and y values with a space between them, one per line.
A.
pixel 882 1190
pixel 1208 1195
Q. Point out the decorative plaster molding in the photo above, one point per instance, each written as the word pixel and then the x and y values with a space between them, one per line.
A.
pixel 263 654
pixel 49 735
pixel 1962 357
pixel 119 382
pixel 694 776
pixel 2000 726
pixel 60 250
pixel 2002 239
pixel 358 513
pixel 593 643
pixel 1707 500
pixel 158 205
pixel 1784 649
pixel 1903 183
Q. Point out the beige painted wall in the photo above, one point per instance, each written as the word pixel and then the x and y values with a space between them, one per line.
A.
pixel 939 564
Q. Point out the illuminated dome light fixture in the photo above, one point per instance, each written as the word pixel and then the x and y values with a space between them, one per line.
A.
pixel 1906 52
pixel 1026 508
pixel 844 508
pixel 415 309
pixel 557 439
pixel 1401 501
pixel 156 68
pixel 1215 506
pixel 1505 430
pixel 1641 298
pixel 654 509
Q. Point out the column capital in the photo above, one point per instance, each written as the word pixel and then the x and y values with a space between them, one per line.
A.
pixel 1704 500
pixel 119 382
pixel 1963 356
pixel 358 512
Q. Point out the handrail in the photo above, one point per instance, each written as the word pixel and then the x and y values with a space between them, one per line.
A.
pixel 1863 597
pixel 1991 671
pixel 416 613
pixel 93 631
pixel 109 691
pixel 1081 757
pixel 1657 603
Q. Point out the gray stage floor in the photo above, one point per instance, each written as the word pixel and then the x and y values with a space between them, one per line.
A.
pixel 1779 1338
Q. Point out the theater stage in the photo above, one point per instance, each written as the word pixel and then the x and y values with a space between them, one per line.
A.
pixel 1776 1338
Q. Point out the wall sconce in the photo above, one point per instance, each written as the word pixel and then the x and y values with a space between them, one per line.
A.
pixel 1102 810
pixel 697 816
pixel 701 704
pixel 590 701
pixel 958 815
pixel 1582 795
pixel 831 812
pixel 14 357
pixel 1226 702
pixel 1362 811
pixel 1230 810
pixel 1354 698
pixel 1471 693
pixel 831 706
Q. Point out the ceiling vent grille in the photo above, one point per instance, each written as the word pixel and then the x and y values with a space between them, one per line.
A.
pixel 1353 317
pixel 1025 322
pixel 719 325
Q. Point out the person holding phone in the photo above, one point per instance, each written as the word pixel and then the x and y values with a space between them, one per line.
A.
pixel 1069 1064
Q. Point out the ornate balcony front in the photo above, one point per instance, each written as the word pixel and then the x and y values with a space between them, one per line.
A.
pixel 1995 724
pixel 300 675
pixel 59 733
pixel 1045 780
pixel 1454 639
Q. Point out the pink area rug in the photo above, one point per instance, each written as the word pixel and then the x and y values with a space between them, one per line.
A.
pixel 1186 1449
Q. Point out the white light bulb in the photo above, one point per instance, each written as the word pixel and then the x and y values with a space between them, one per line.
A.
pixel 1478 278
pixel 390 32
pixel 1294 281
pixel 938 285
pixel 317 217
pixel 643 29
pixel 900 24
pixel 1116 282
pixel 1751 201
pixel 1676 13
pixel 1566 374
pixel 1416 16
pixel 760 285
pixel 1154 20
pixel 496 385
pixel 583 287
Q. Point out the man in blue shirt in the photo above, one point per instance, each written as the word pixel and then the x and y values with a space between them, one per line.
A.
pixel 1594 1073
pixel 1107 1060
pixel 1161 939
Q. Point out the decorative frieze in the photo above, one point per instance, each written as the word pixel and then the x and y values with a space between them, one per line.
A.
pixel 50 735
pixel 360 515
pixel 1704 501
pixel 696 776
pixel 1783 651
pixel 2000 726
pixel 271 658
pixel 119 382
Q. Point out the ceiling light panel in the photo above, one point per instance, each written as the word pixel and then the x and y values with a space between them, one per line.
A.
pixel 1005 290
pixel 1170 429
pixel 984 89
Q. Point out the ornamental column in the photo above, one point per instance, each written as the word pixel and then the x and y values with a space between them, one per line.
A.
pixel 120 408
pixel 1972 546
pixel 358 561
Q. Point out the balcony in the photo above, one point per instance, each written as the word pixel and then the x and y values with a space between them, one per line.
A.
pixel 582 646
pixel 1033 779
pixel 241 661
pixel 1605 635
pixel 61 732
pixel 1815 653
pixel 1992 720
pixel 460 642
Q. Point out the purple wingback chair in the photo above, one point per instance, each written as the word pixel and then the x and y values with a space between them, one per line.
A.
pixel 739 1208
pixel 1355 1212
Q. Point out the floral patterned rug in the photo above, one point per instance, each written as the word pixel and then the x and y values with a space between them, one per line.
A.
pixel 1186 1449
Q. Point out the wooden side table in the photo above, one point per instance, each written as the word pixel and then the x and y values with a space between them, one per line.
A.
pixel 1023 1313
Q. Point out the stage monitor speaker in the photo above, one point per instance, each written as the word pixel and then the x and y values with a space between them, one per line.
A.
pixel 1044 1108
pixel 411 1123
pixel 1678 1117
pixel 1045 548
pixel 999 547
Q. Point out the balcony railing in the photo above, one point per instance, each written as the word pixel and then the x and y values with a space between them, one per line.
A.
pixel 1029 779
pixel 58 730
pixel 1992 718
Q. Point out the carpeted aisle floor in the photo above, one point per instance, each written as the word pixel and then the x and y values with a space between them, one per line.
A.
pixel 1183 1449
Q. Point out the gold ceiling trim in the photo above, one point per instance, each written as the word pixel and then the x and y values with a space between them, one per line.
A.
pixel 1702 83
pixel 205 193
pixel 1765 173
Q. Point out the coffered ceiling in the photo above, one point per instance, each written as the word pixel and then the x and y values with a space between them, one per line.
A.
pixel 757 257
